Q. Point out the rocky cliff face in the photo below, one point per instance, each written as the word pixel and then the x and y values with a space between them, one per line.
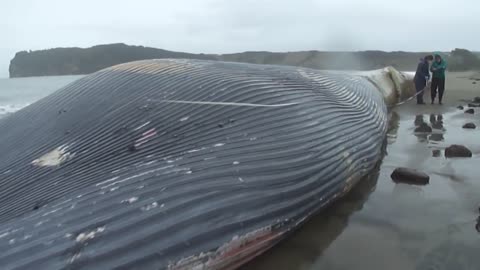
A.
pixel 70 61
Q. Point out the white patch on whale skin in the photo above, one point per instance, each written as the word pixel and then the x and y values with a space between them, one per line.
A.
pixel 54 158
pixel 82 237
pixel 149 206
pixel 107 181
pixel 130 200
pixel 41 222
pixel 74 257
pixel 117 180
pixel 141 126
pixel 196 150
pixel 51 212
pixel 146 136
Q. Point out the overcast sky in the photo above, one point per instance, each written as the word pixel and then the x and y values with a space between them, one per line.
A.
pixel 223 26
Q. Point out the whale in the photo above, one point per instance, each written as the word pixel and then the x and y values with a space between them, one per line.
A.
pixel 184 164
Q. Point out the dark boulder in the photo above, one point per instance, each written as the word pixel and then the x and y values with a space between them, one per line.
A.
pixel 456 150
pixel 423 128
pixel 460 107
pixel 470 126
pixel 409 176
pixel 470 111
pixel 476 100
pixel 473 105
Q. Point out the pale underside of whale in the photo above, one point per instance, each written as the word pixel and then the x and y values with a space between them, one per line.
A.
pixel 184 164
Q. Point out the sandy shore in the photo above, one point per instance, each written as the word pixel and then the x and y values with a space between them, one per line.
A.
pixel 382 225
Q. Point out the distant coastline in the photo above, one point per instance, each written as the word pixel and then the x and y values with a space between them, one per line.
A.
pixel 80 61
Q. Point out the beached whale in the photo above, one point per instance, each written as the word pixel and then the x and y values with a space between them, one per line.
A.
pixel 183 164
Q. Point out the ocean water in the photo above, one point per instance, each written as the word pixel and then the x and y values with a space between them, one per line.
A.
pixel 19 92
pixel 380 225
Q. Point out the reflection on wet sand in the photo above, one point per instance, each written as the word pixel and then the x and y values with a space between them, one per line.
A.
pixel 437 124
pixel 422 129
pixel 393 125
pixel 419 120
pixel 450 255
pixel 436 137
pixel 432 132
pixel 436 121
pixel 304 247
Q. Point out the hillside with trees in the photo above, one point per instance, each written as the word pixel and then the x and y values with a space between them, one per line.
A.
pixel 71 61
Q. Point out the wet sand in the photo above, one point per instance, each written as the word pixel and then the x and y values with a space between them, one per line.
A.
pixel 382 225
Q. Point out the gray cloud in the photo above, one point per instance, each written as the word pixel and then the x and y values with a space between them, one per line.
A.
pixel 222 26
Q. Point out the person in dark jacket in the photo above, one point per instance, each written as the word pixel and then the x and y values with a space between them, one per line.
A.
pixel 438 77
pixel 421 77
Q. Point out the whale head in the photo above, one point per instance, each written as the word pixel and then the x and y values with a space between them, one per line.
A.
pixel 395 86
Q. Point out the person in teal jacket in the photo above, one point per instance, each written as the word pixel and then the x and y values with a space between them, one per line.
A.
pixel 438 68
